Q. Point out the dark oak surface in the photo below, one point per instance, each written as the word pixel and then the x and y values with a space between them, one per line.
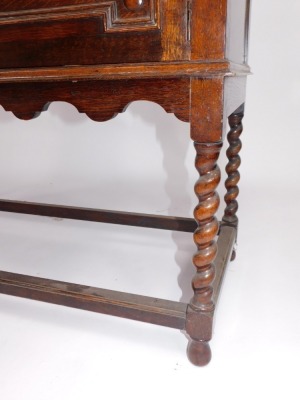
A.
pixel 106 216
pixel 189 56
pixel 100 100
pixel 82 32
pixel 126 305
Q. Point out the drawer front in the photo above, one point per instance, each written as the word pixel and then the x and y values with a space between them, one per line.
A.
pixel 39 33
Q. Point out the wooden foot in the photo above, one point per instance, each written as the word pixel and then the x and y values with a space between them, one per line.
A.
pixel 199 353
pixel 233 255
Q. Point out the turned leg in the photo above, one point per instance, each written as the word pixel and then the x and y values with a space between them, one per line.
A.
pixel 201 307
pixel 234 161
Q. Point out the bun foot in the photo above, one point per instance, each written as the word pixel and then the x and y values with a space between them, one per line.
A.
pixel 233 255
pixel 199 353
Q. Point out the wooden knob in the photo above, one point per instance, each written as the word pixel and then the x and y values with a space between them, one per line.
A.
pixel 133 4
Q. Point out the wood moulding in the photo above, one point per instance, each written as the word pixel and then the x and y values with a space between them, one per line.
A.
pixel 102 92
pixel 117 15
pixel 205 69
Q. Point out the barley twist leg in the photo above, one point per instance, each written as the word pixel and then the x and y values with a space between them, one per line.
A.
pixel 201 307
pixel 234 162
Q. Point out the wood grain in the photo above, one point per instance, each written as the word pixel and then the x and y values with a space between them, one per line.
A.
pixel 201 306
pixel 112 14
pixel 100 100
pixel 127 71
pixel 189 56
pixel 208 30
pixel 76 32
pixel 207 110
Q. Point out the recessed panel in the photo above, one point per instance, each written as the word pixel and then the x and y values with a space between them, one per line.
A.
pixel 47 33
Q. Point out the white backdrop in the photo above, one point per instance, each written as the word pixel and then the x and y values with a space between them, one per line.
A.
pixel 143 161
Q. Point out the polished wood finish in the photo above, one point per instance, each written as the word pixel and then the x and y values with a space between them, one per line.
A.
pixel 176 69
pixel 133 4
pixel 65 32
pixel 204 213
pixel 188 56
pixel 206 124
pixel 201 306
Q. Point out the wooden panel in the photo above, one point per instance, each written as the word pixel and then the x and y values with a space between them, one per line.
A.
pixel 43 33
pixel 71 32
pixel 81 50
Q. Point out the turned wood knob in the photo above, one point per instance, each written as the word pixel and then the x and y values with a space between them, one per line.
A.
pixel 133 4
